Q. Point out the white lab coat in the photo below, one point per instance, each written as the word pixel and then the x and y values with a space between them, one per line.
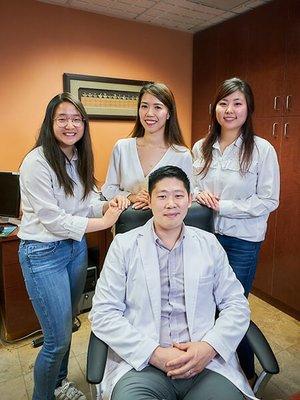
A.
pixel 126 310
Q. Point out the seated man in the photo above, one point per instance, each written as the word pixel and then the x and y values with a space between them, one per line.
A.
pixel 155 307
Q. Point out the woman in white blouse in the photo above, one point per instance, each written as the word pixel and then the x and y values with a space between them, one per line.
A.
pixel 236 174
pixel 156 141
pixel 60 204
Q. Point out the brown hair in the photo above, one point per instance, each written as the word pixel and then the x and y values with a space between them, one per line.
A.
pixel 173 134
pixel 226 88
pixel 55 156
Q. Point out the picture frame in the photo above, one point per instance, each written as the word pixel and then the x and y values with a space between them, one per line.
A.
pixel 103 97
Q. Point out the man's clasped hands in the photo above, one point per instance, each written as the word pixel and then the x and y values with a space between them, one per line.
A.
pixel 183 360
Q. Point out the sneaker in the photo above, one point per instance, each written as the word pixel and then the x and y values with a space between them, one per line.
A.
pixel 67 391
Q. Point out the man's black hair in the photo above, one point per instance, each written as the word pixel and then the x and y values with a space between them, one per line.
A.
pixel 169 171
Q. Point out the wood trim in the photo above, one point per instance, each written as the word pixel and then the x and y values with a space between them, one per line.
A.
pixel 276 303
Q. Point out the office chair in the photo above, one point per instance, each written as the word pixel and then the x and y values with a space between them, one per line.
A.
pixel 199 217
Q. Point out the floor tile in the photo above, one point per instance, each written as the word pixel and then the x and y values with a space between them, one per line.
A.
pixel 10 366
pixel 80 341
pixel 81 359
pixel 77 376
pixel 289 377
pixel 27 356
pixel 28 379
pixel 13 389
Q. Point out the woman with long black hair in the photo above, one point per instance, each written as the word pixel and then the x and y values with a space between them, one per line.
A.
pixel 60 203
pixel 236 174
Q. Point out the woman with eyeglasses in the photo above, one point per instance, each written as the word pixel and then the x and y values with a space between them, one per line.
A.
pixel 60 204
pixel 156 141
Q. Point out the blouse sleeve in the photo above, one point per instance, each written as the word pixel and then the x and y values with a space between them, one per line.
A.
pixel 186 165
pixel 197 156
pixel 96 204
pixel 111 187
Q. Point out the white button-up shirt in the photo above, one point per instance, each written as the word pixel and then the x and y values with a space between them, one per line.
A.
pixel 246 200
pixel 174 326
pixel 48 214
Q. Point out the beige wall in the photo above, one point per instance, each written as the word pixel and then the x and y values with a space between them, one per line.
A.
pixel 39 42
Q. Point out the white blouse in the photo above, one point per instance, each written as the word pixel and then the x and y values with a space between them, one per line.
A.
pixel 48 214
pixel 245 200
pixel 125 174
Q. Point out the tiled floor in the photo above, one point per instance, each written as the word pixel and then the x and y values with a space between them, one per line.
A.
pixel 282 331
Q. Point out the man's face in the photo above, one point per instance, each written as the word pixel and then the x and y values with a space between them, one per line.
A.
pixel 169 203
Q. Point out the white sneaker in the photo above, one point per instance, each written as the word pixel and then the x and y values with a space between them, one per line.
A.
pixel 67 391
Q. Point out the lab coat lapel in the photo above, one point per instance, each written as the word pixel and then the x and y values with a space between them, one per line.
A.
pixel 191 265
pixel 150 264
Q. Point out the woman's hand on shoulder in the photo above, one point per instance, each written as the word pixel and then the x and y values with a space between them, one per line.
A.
pixel 140 205
pixel 208 199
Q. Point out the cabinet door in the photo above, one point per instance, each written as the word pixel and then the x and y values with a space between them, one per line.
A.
pixel 266 60
pixel 204 80
pixel 286 279
pixel 18 316
pixel 233 49
pixel 271 130
pixel 292 84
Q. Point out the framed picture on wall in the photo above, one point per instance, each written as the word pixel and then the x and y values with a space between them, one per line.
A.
pixel 104 98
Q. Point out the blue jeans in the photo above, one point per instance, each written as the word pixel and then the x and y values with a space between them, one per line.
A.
pixel 54 275
pixel 243 256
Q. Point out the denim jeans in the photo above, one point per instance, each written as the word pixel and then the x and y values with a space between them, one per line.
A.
pixel 54 276
pixel 243 256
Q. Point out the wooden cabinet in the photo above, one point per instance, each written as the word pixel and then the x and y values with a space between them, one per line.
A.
pixel 204 79
pixel 263 47
pixel 266 58
pixel 17 314
pixel 292 76
pixel 286 247
pixel 278 272
pixel 18 318
pixel 232 34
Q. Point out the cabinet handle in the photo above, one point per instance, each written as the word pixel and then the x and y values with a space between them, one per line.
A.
pixel 285 130
pixel 274 129
pixel 209 109
pixel 275 103
pixel 287 102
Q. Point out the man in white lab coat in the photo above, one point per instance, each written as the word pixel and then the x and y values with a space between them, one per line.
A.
pixel 155 307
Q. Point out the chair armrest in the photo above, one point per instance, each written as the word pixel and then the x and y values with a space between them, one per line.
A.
pixel 96 359
pixel 262 349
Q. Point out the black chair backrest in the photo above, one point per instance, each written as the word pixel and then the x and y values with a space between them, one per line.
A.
pixel 197 216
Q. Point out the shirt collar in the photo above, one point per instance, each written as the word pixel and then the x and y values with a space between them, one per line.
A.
pixel 158 241
pixel 238 143
pixel 74 156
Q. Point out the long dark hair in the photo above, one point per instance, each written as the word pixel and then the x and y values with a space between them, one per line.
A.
pixel 226 88
pixel 55 156
pixel 173 134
